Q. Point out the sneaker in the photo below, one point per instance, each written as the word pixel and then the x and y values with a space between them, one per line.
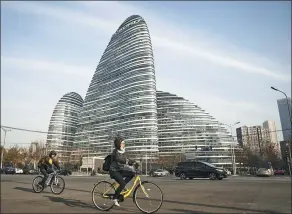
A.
pixel 116 203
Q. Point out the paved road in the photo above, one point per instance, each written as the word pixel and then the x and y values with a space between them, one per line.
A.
pixel 232 195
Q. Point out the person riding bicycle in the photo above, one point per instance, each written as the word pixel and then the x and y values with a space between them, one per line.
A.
pixel 118 167
pixel 46 164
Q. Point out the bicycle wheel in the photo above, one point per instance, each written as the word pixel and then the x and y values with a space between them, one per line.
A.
pixel 152 196
pixel 57 185
pixel 105 191
pixel 35 184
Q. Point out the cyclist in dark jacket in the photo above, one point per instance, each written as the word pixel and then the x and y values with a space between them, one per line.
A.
pixel 46 164
pixel 118 169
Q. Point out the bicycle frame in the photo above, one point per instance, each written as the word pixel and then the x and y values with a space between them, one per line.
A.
pixel 129 191
pixel 53 176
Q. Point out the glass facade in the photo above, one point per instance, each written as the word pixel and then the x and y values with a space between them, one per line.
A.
pixel 121 98
pixel 285 117
pixel 63 125
pixel 183 127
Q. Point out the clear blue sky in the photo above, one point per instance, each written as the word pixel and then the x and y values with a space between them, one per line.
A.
pixel 223 56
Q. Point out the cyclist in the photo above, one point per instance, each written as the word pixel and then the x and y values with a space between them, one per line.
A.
pixel 46 164
pixel 118 167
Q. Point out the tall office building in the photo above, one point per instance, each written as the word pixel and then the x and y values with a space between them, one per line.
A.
pixel 63 125
pixel 184 127
pixel 270 126
pixel 121 98
pixel 284 106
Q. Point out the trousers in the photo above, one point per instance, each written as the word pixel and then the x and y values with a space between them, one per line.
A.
pixel 45 172
pixel 119 177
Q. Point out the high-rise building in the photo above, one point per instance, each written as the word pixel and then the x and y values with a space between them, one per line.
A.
pixel 63 125
pixel 184 127
pixel 270 126
pixel 284 106
pixel 242 136
pixel 255 138
pixel 121 98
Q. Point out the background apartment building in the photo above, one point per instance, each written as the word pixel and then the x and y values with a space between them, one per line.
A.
pixel 254 137
pixel 271 127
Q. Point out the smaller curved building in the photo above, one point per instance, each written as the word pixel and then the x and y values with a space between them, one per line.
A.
pixel 63 125
pixel 185 128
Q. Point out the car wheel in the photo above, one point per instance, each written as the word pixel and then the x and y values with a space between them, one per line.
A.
pixel 212 176
pixel 191 178
pixel 220 178
pixel 182 176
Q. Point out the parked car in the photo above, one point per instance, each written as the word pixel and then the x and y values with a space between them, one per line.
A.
pixel 160 172
pixel 279 172
pixel 33 172
pixel 151 172
pixel 199 169
pixel 25 170
pixel 65 172
pixel 18 171
pixel 263 172
pixel 9 170
pixel 228 172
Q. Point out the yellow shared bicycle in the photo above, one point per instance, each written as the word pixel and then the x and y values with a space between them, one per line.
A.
pixel 147 196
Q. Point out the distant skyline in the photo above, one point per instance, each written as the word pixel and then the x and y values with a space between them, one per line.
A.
pixel 222 56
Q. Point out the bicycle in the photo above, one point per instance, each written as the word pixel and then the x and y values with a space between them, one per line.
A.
pixel 126 193
pixel 53 180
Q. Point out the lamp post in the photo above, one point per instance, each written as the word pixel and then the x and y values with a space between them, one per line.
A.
pixel 88 153
pixel 290 114
pixel 2 151
pixel 232 147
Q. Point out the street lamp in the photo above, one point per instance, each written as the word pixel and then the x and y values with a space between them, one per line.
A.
pixel 2 151
pixel 289 144
pixel 232 147
pixel 287 103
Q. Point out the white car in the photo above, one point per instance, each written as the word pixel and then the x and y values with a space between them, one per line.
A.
pixel 18 171
pixel 228 172
pixel 264 172
pixel 160 172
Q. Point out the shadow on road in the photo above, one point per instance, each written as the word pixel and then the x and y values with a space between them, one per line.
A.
pixel 70 202
pixel 24 189
pixel 78 203
pixel 188 211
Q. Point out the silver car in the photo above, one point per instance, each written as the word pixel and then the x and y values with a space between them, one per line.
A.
pixel 264 172
pixel 160 172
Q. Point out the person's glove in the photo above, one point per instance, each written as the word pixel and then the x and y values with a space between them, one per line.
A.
pixel 131 162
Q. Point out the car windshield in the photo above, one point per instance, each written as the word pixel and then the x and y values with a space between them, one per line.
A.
pixel 262 169
pixel 159 170
pixel 208 164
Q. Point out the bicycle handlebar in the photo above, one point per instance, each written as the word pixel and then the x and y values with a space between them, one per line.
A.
pixel 55 172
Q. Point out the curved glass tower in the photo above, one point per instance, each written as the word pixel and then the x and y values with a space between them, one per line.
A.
pixel 121 98
pixel 183 127
pixel 63 125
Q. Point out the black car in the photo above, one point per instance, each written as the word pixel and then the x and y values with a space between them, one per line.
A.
pixel 65 172
pixel 199 169
pixel 9 170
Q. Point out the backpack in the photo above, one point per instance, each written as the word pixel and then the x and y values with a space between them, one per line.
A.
pixel 107 163
pixel 40 162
